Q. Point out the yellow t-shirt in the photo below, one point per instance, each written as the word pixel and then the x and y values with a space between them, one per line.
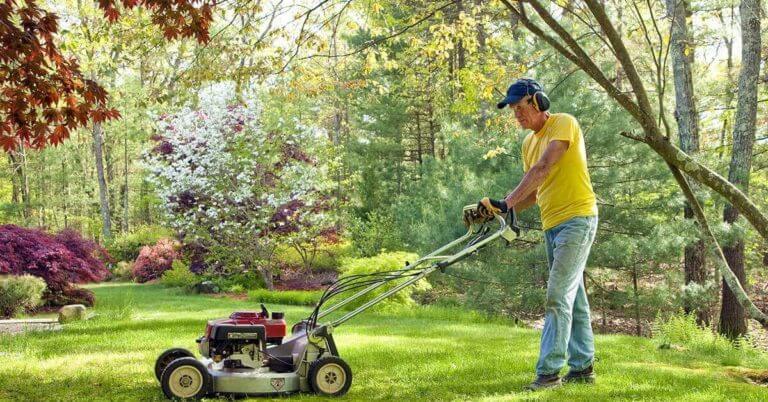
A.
pixel 567 190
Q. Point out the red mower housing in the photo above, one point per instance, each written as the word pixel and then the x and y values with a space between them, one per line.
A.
pixel 274 327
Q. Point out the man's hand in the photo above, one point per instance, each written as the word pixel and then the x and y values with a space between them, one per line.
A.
pixel 488 207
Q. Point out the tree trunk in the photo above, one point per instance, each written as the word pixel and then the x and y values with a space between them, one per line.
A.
pixel 733 323
pixel 124 189
pixel 431 121
pixel 145 210
pixel 109 170
pixel 106 228
pixel 682 49
pixel 732 314
pixel 266 275
pixel 65 192
pixel 637 301
pixel 728 41
pixel 40 197
pixel 19 165
pixel 419 150
pixel 460 51
pixel 482 119
pixel 14 185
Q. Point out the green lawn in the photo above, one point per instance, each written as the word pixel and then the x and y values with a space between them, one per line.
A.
pixel 418 354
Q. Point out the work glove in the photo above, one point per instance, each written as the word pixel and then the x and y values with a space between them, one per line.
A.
pixel 470 216
pixel 488 207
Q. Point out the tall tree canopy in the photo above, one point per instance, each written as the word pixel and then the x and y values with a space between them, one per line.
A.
pixel 44 94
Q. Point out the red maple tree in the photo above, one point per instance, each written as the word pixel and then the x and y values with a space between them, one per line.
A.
pixel 43 94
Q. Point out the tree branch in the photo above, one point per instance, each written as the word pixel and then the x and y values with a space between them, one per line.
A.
pixel 646 112
pixel 377 41
pixel 585 63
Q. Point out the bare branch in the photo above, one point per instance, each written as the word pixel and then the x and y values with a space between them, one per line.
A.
pixel 632 135
pixel 377 41
pixel 585 63
pixel 646 112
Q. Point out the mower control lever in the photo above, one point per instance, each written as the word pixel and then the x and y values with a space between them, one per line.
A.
pixel 264 311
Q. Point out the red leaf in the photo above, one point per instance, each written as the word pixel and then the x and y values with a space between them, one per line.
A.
pixel 112 14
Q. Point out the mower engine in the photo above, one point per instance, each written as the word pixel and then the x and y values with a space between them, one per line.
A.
pixel 239 340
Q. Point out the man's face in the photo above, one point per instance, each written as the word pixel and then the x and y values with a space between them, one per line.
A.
pixel 525 113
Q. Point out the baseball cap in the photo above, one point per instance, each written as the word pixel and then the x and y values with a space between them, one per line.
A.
pixel 518 90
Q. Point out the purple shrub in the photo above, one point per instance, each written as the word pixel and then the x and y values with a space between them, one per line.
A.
pixel 70 295
pixel 88 251
pixel 285 219
pixel 59 260
pixel 294 152
pixel 195 251
pixel 164 148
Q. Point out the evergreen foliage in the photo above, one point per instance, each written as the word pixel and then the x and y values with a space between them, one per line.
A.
pixel 19 294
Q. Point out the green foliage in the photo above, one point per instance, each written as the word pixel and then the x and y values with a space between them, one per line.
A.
pixel 375 233
pixel 327 257
pixel 179 276
pixel 680 331
pixel 245 280
pixel 236 288
pixel 123 271
pixel 694 294
pixel 295 297
pixel 126 246
pixel 388 261
pixel 19 294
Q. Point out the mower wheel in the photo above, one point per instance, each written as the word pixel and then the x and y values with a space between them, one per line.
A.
pixel 330 376
pixel 167 357
pixel 186 378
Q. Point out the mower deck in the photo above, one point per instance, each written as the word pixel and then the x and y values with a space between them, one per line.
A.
pixel 251 381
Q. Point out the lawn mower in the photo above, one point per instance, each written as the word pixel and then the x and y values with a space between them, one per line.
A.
pixel 249 353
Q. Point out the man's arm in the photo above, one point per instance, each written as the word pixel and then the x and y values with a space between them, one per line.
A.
pixel 537 174
pixel 526 203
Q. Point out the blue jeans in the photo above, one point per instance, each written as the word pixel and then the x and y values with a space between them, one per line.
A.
pixel 567 327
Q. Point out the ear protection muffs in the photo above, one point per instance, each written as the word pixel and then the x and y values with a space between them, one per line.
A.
pixel 540 101
pixel 538 97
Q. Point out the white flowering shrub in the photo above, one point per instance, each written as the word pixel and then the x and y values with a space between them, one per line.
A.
pixel 232 188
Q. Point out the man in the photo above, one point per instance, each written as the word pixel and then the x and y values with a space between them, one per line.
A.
pixel 556 178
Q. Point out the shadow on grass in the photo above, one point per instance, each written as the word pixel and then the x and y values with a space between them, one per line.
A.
pixel 107 386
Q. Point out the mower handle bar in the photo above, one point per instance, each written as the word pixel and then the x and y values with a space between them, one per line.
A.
pixel 507 230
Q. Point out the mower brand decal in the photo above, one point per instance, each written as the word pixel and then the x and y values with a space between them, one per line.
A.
pixel 240 335
pixel 277 383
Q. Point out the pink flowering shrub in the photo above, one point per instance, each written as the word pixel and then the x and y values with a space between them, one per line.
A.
pixel 154 260
pixel 60 260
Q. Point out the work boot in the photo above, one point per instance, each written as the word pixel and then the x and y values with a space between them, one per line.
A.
pixel 544 381
pixel 582 376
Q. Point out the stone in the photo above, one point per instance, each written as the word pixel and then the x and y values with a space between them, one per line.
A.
pixel 72 312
